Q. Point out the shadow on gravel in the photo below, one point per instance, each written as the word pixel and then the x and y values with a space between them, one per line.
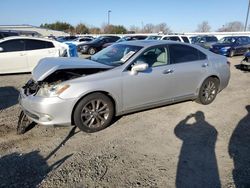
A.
pixel 8 97
pixel 28 170
pixel 239 151
pixel 197 165
pixel 25 170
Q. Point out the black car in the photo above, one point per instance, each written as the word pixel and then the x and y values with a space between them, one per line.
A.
pixel 4 34
pixel 66 38
pixel 96 44
pixel 205 41
pixel 127 38
pixel 230 46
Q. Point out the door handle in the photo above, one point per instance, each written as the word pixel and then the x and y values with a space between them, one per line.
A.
pixel 168 71
pixel 205 65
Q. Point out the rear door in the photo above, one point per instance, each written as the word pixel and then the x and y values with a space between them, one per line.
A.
pixel 38 49
pixel 13 58
pixel 189 67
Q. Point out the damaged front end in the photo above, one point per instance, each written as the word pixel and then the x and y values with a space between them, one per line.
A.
pixel 40 94
pixel 32 87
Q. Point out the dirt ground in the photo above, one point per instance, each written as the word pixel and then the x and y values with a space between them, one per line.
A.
pixel 162 147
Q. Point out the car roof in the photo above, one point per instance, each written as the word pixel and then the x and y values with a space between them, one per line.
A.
pixel 148 43
pixel 24 37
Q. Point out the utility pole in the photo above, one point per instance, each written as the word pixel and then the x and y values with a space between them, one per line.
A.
pixel 109 11
pixel 247 16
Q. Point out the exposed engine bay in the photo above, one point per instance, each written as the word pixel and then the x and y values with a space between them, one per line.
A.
pixel 32 87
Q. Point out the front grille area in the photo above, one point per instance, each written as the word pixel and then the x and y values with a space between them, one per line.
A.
pixel 31 87
pixel 31 115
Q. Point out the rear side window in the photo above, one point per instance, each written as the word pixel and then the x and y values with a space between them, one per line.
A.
pixel 175 38
pixel 183 53
pixel 13 45
pixel 185 39
pixel 37 44
pixel 172 38
pixel 211 39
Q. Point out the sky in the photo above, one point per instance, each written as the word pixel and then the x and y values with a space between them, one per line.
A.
pixel 179 15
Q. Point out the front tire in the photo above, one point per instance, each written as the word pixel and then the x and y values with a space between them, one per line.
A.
pixel 94 112
pixel 92 51
pixel 208 91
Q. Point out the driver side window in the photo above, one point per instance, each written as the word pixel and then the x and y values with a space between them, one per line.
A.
pixel 154 57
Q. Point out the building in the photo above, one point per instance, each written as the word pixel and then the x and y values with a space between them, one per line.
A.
pixel 32 30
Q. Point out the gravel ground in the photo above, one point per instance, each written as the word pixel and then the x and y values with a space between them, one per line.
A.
pixel 162 147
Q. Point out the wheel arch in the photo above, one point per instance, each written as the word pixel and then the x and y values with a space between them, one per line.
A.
pixel 211 76
pixel 99 91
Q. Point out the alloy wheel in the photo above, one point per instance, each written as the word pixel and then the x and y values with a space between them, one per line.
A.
pixel 209 91
pixel 95 113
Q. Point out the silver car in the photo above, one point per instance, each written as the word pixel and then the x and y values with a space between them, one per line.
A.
pixel 125 77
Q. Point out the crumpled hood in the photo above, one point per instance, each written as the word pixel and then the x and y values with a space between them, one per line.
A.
pixel 47 66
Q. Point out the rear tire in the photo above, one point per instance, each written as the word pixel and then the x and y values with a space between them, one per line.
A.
pixel 94 113
pixel 208 91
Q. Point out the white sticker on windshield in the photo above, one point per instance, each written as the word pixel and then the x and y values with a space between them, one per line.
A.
pixel 127 56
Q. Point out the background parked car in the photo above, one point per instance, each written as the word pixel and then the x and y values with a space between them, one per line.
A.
pixel 80 40
pixel 205 41
pixel 127 38
pixel 230 46
pixel 21 54
pixel 66 38
pixel 97 44
pixel 4 34
pixel 180 38
pixel 154 37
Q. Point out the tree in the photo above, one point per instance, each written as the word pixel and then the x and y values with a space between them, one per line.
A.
pixel 60 26
pixel 162 27
pixel 94 30
pixel 81 29
pixel 232 27
pixel 148 28
pixel 114 29
pixel 134 29
pixel 203 27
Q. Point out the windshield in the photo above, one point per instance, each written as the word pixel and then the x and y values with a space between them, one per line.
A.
pixel 227 40
pixel 115 55
pixel 153 38
pixel 97 39
pixel 124 39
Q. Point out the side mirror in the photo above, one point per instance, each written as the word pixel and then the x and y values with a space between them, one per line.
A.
pixel 139 67
pixel 1 49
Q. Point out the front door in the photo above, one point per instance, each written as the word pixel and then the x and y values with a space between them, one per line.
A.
pixel 150 86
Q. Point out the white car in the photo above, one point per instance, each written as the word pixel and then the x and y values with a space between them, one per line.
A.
pixel 80 41
pixel 180 38
pixel 21 54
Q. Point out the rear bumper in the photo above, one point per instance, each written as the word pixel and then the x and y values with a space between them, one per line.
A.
pixel 47 111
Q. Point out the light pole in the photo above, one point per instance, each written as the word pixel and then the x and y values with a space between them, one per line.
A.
pixel 109 11
pixel 247 16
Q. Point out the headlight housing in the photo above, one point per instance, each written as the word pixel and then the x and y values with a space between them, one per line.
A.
pixel 52 90
pixel 225 48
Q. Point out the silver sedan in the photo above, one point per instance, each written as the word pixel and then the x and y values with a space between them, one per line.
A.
pixel 122 78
